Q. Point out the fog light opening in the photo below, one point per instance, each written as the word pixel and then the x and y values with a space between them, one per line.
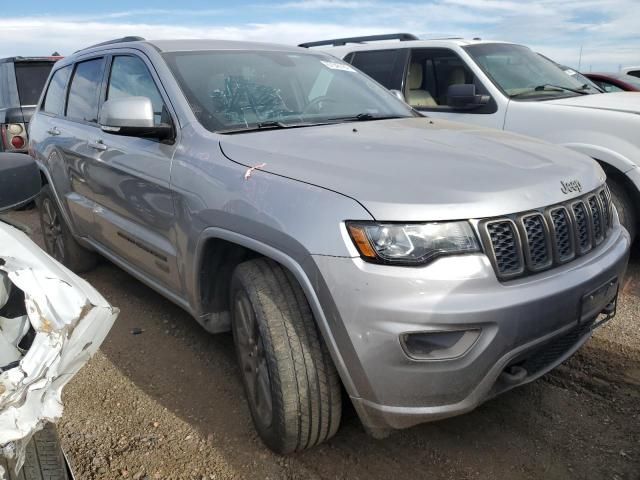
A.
pixel 442 345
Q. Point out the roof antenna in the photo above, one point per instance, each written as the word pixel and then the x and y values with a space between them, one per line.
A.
pixel 56 54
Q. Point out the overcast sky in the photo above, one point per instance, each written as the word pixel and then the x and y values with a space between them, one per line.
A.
pixel 607 30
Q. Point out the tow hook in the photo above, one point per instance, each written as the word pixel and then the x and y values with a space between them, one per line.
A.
pixel 513 374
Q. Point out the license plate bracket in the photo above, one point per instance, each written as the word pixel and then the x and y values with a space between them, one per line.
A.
pixel 602 300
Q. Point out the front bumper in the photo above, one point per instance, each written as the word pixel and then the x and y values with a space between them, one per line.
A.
pixel 370 306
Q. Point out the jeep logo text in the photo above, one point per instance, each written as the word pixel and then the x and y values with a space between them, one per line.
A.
pixel 570 186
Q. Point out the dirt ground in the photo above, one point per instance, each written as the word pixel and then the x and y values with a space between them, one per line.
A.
pixel 167 403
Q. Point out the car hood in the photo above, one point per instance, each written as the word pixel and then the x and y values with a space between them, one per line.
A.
pixel 619 102
pixel 419 169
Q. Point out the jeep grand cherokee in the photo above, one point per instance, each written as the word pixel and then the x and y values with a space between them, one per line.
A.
pixel 423 265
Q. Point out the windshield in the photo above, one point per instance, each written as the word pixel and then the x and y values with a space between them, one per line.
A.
pixel 244 90
pixel 520 72
pixel 30 77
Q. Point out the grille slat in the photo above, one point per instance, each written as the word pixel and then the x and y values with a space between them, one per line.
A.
pixel 596 219
pixel 505 247
pixel 606 213
pixel 582 227
pixel 536 245
pixel 534 241
pixel 562 234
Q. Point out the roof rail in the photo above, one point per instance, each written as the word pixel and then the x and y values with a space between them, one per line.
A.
pixel 403 37
pixel 115 40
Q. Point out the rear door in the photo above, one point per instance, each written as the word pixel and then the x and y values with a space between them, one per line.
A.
pixel 129 179
pixel 68 114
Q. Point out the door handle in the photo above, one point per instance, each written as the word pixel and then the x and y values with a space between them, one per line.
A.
pixel 98 145
pixel 53 131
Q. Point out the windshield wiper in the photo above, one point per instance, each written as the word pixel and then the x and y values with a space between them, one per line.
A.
pixel 574 90
pixel 364 117
pixel 549 87
pixel 270 125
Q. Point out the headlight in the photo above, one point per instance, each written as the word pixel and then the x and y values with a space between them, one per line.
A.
pixel 411 244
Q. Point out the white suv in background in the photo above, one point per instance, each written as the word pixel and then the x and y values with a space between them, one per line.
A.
pixel 633 71
pixel 507 86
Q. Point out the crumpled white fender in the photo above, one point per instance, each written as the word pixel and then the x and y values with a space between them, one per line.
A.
pixel 70 318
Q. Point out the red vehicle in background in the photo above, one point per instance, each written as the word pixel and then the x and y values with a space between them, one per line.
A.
pixel 615 82
pixel 21 82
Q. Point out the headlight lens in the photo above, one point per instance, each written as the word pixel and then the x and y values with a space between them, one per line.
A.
pixel 411 244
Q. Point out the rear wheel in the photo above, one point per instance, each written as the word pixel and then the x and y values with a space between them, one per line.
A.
pixel 58 239
pixel 624 206
pixel 291 384
pixel 44 459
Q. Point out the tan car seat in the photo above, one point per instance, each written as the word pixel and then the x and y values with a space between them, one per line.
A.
pixel 417 96
pixel 457 76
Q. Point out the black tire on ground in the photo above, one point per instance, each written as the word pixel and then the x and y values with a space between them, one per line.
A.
pixel 624 206
pixel 44 459
pixel 292 386
pixel 58 239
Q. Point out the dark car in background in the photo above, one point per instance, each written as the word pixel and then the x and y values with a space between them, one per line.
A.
pixel 21 82
pixel 615 82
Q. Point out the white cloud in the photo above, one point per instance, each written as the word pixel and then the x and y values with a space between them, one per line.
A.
pixel 607 30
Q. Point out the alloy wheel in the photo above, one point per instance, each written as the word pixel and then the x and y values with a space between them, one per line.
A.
pixel 52 230
pixel 253 360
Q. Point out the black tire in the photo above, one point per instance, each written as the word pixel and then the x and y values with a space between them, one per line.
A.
pixel 275 333
pixel 624 206
pixel 44 459
pixel 58 239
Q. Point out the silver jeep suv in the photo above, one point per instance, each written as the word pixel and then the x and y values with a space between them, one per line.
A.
pixel 423 265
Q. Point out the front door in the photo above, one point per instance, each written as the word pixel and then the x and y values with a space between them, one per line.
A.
pixel 431 72
pixel 134 213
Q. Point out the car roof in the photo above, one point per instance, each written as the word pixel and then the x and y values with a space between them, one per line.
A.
pixel 199 45
pixel 619 76
pixel 188 45
pixel 391 45
pixel 48 58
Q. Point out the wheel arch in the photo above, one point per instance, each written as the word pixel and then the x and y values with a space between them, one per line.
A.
pixel 228 248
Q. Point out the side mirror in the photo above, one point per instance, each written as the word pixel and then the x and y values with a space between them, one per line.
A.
pixel 463 96
pixel 133 117
pixel 398 94
pixel 20 180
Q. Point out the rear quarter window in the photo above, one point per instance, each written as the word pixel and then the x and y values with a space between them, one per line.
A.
pixel 54 99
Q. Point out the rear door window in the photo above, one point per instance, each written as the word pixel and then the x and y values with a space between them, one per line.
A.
pixel 384 66
pixel 54 99
pixel 84 92
pixel 31 77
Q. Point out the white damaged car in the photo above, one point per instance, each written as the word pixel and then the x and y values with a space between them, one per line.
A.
pixel 51 323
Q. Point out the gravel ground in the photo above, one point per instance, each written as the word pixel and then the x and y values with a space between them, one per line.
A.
pixel 163 400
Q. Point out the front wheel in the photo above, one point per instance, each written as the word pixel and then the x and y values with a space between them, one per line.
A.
pixel 291 384
pixel 624 206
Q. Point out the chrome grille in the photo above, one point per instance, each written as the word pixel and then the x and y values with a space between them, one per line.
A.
pixel 530 242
